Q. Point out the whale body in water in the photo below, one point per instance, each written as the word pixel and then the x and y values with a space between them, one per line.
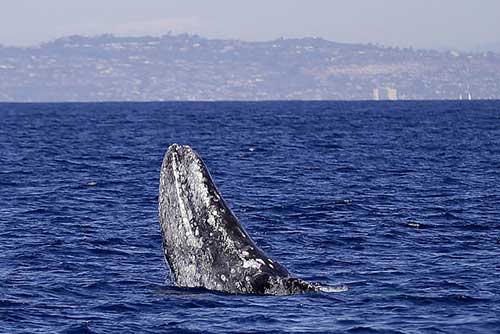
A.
pixel 204 243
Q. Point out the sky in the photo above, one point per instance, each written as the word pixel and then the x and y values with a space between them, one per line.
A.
pixel 441 24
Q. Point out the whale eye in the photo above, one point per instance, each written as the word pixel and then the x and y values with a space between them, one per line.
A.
pixel 260 283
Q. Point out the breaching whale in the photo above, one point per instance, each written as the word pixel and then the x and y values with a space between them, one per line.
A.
pixel 204 244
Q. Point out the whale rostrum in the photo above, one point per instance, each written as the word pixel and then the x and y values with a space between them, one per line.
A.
pixel 204 243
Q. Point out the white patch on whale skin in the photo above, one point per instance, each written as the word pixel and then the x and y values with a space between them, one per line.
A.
pixel 252 263
pixel 182 209
pixel 185 219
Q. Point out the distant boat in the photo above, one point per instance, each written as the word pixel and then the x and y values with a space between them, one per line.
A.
pixel 469 96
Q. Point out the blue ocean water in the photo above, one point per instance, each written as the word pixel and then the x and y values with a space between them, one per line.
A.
pixel 399 201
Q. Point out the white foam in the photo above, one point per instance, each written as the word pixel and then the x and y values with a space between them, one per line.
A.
pixel 329 289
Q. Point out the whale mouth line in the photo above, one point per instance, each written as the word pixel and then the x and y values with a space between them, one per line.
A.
pixel 205 246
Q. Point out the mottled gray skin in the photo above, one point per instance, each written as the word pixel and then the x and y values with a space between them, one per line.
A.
pixel 204 244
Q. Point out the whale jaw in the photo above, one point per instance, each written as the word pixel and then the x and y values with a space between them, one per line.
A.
pixel 204 244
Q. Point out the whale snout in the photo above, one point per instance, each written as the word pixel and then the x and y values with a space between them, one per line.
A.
pixel 182 166
pixel 182 155
pixel 179 151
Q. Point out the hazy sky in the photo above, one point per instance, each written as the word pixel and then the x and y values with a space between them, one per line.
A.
pixel 419 23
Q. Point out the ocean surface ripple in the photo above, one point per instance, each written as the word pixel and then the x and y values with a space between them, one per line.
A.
pixel 400 202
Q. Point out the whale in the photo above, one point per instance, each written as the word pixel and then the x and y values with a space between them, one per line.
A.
pixel 204 244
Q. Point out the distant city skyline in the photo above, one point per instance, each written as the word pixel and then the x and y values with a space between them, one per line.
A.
pixel 444 24
pixel 187 67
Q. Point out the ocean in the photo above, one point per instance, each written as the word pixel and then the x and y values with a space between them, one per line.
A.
pixel 398 201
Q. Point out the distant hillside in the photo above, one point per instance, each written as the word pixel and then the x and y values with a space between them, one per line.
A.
pixel 185 67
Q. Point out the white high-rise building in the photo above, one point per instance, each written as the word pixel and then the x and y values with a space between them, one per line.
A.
pixel 386 93
pixel 392 94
